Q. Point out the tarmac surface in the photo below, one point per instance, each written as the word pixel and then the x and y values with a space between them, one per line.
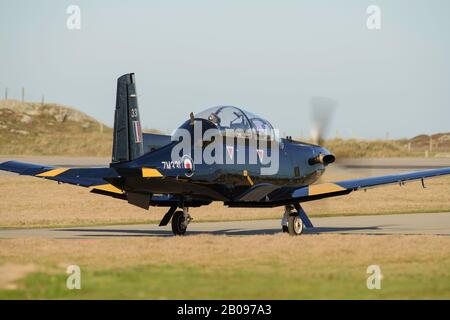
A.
pixel 424 223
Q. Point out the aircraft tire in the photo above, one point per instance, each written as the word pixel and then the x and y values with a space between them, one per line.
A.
pixel 295 225
pixel 178 226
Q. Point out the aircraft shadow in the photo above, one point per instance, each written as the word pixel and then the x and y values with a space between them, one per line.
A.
pixel 227 232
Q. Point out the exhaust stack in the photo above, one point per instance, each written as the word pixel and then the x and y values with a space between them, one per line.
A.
pixel 324 159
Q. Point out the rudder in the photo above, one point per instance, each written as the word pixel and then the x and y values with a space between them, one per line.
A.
pixel 127 140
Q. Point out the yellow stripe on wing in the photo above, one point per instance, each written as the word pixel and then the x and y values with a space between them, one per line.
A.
pixel 108 188
pixel 151 173
pixel 323 188
pixel 52 173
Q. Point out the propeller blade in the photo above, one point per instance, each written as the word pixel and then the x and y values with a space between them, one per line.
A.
pixel 322 111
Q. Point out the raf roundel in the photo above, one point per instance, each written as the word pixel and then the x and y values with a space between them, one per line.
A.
pixel 188 164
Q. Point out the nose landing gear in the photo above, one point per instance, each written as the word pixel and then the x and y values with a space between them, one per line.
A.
pixel 294 222
pixel 295 225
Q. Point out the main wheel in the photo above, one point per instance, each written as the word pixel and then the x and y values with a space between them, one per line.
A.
pixel 295 225
pixel 178 223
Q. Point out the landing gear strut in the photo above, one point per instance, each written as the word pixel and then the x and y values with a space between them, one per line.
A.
pixel 284 220
pixel 180 221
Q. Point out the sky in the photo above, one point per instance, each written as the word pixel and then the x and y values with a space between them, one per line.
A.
pixel 268 57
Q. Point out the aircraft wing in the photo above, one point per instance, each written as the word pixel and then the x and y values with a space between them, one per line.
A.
pixel 96 178
pixel 338 188
pixel 85 177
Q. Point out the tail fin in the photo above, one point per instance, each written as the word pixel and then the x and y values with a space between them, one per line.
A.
pixel 128 142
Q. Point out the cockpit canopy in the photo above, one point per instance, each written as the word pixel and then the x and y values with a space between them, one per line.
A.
pixel 237 122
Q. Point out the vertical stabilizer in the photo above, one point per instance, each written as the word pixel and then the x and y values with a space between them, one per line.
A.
pixel 128 142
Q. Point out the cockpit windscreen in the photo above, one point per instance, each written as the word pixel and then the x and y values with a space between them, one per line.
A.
pixel 235 121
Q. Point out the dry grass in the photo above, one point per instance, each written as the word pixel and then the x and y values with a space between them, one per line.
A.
pixel 10 273
pixel 221 251
pixel 276 266
pixel 32 202
pixel 93 144
pixel 416 147
pixel 353 148
pixel 50 129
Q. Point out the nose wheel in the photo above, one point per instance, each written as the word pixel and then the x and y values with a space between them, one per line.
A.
pixel 295 220
pixel 295 225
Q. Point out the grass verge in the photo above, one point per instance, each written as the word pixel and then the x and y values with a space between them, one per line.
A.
pixel 220 267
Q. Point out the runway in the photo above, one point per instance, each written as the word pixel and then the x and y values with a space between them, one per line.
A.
pixel 427 223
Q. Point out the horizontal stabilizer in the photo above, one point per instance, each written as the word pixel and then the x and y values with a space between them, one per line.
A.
pixel 154 141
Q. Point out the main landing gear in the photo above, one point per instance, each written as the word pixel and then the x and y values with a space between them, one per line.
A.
pixel 295 221
pixel 180 220
pixel 179 223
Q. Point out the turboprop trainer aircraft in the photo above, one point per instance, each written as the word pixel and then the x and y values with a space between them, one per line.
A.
pixel 221 154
